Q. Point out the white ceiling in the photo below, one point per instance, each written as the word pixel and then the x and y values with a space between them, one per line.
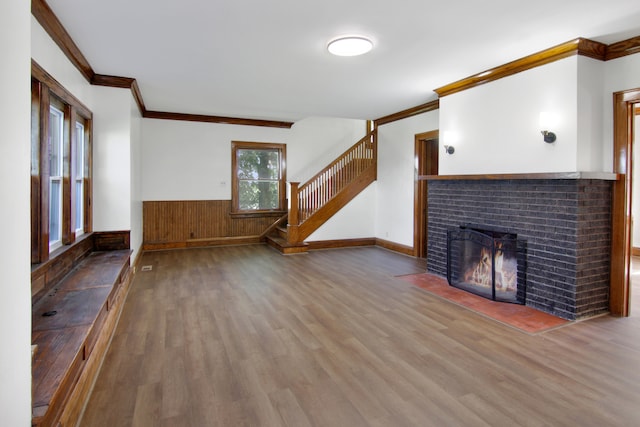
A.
pixel 267 59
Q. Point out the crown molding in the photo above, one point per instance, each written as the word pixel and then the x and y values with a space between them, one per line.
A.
pixel 623 48
pixel 409 112
pixel 121 82
pixel 578 46
pixel 52 25
pixel 215 119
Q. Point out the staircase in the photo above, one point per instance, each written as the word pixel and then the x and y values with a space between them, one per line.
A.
pixel 317 200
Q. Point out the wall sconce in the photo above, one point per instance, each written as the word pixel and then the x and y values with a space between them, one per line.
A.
pixel 548 121
pixel 450 137
pixel 548 137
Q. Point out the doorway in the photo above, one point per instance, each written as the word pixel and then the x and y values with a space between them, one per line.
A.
pixel 426 163
pixel 625 106
pixel 634 280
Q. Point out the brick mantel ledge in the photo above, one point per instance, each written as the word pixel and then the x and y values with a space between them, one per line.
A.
pixel 605 176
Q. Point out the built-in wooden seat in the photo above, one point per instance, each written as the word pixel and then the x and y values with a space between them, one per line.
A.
pixel 67 323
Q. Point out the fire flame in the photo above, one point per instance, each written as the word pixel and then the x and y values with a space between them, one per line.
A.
pixel 505 274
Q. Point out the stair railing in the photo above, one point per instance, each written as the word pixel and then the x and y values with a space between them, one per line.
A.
pixel 308 198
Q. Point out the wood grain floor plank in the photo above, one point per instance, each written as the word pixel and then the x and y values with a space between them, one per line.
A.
pixel 242 336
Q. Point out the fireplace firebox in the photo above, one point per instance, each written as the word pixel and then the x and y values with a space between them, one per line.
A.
pixel 486 262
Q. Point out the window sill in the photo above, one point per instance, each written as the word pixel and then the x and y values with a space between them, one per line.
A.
pixel 257 214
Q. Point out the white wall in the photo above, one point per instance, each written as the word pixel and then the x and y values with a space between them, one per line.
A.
pixel 356 220
pixel 315 142
pixel 396 169
pixel 590 111
pixel 497 124
pixel 15 305
pixel 136 178
pixel 192 161
pixel 111 159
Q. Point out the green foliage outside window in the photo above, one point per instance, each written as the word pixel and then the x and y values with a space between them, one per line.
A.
pixel 258 179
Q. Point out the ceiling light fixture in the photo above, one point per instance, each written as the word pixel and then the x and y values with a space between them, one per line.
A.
pixel 350 46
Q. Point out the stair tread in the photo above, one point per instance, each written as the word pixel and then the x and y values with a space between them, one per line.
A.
pixel 283 242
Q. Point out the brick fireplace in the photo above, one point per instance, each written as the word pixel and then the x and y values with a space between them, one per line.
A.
pixel 564 219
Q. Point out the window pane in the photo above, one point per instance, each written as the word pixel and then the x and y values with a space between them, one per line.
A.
pixel 258 164
pixel 79 204
pixel 55 211
pixel 78 171
pixel 56 119
pixel 79 150
pixel 258 195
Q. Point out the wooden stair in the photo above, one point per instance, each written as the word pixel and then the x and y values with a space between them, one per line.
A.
pixel 317 200
pixel 276 237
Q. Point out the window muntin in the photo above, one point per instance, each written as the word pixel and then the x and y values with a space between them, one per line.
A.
pixel 259 177
pixel 56 156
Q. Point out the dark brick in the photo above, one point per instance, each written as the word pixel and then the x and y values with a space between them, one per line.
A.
pixel 566 225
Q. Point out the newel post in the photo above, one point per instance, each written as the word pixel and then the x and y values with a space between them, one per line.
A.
pixel 293 210
pixel 292 227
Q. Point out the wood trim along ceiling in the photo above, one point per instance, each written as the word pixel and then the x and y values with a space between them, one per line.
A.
pixel 52 25
pixel 580 46
pixel 429 106
pixel 215 119
pixel 623 48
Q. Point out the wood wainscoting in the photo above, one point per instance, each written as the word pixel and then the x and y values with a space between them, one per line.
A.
pixel 192 223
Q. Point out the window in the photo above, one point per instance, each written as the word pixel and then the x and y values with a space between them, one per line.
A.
pixel 56 154
pixel 259 177
pixel 79 165
pixel 60 166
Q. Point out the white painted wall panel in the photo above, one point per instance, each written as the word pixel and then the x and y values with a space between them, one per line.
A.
pixel 136 178
pixel 590 111
pixel 192 161
pixel 356 220
pixel 15 306
pixel 498 128
pixel 111 159
pixel 396 169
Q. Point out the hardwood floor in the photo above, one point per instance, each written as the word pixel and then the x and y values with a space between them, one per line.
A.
pixel 243 336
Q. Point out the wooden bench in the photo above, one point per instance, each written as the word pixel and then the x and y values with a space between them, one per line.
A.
pixel 72 323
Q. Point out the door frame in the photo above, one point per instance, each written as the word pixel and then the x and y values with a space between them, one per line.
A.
pixel 623 114
pixel 419 194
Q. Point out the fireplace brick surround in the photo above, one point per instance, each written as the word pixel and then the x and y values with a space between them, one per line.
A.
pixel 564 219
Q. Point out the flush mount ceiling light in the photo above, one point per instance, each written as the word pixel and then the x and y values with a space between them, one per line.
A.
pixel 350 46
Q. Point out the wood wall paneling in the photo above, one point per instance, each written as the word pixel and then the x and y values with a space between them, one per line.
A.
pixel 171 224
